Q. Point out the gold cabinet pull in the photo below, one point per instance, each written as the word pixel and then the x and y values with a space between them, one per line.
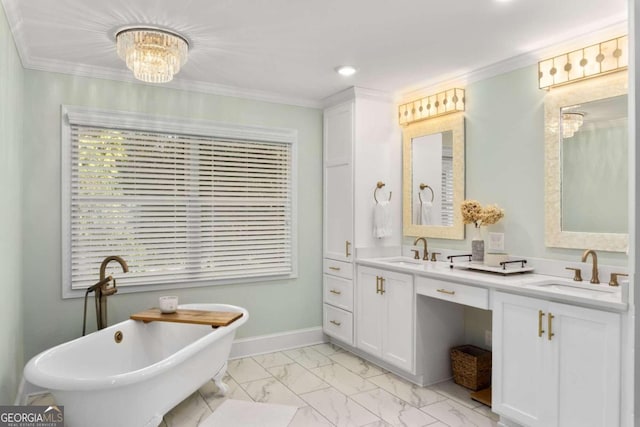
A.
pixel 382 291
pixel 540 330
pixel 550 332
pixel 347 246
pixel 444 291
pixel 333 291
pixel 378 284
pixel 334 268
pixel 335 322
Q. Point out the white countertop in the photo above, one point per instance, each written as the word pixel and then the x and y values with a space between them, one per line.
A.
pixel 536 285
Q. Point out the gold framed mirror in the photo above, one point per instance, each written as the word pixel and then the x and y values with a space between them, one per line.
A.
pixel 586 174
pixel 433 177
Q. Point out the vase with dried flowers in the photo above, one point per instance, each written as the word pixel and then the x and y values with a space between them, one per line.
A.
pixel 474 213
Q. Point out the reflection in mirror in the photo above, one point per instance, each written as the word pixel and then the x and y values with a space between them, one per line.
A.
pixel 432 165
pixel 586 173
pixel 594 166
pixel 433 177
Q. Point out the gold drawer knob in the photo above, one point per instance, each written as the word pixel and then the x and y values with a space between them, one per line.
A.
pixel 334 268
pixel 444 291
pixel 335 322
pixel 333 291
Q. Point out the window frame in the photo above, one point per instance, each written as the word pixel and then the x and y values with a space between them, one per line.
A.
pixel 89 116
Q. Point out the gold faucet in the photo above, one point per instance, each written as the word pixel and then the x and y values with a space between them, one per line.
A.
pixel 594 272
pixel 107 260
pixel 425 256
pixel 103 291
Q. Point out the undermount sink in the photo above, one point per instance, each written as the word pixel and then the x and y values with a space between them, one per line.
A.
pixel 403 261
pixel 578 289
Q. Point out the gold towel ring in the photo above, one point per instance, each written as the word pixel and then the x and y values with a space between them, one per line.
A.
pixel 422 187
pixel 379 185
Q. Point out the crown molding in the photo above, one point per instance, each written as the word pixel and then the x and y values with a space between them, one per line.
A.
pixel 421 89
pixel 15 19
pixel 355 92
pixel 83 70
pixel 526 59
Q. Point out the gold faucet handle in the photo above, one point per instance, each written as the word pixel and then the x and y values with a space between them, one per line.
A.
pixel 614 278
pixel 416 253
pixel 433 256
pixel 109 290
pixel 577 277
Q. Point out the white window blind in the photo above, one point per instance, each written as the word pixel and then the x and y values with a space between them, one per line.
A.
pixel 178 208
pixel 447 186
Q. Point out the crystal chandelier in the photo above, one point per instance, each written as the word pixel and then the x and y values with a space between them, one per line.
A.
pixel 153 55
pixel 571 122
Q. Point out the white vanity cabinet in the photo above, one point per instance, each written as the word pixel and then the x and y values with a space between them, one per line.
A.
pixel 360 148
pixel 337 291
pixel 385 303
pixel 555 364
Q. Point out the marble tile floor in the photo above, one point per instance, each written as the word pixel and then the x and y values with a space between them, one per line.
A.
pixel 332 387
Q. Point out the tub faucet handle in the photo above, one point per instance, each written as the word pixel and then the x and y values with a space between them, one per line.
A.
pixel 106 291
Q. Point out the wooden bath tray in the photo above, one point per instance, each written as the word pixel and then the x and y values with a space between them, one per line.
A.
pixel 199 317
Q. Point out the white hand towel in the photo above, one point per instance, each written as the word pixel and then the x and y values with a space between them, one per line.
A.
pixel 424 216
pixel 381 220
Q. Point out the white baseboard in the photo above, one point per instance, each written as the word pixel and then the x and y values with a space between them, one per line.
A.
pixel 276 342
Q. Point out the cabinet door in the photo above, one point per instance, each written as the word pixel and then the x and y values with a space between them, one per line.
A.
pixel 338 182
pixel 369 311
pixel 586 366
pixel 398 315
pixel 338 133
pixel 338 213
pixel 518 381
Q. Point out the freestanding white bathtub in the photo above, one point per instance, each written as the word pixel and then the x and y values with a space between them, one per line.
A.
pixel 133 383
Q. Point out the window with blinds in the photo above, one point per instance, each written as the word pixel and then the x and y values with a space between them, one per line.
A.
pixel 178 208
pixel 447 187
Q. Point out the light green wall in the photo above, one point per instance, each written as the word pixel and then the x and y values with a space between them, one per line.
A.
pixel 11 336
pixel 273 306
pixel 505 164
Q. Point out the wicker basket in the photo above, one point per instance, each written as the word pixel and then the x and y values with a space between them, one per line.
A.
pixel 471 367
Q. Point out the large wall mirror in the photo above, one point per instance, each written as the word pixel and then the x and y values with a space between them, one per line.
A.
pixel 433 177
pixel 586 158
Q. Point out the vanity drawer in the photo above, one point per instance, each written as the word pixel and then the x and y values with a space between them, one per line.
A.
pixel 338 292
pixel 338 324
pixel 338 268
pixel 454 292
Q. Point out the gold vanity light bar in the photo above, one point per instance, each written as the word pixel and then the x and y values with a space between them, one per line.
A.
pixel 449 101
pixel 591 61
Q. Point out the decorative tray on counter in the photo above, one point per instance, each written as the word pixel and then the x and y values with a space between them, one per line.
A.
pixel 508 267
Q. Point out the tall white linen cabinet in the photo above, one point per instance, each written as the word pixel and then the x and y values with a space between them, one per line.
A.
pixel 362 146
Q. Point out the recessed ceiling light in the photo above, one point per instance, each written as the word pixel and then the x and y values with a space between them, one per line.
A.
pixel 346 70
